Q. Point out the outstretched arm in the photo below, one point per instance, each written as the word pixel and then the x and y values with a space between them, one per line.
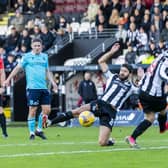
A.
pixel 12 74
pixel 103 59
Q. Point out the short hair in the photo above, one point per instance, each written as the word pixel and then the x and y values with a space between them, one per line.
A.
pixel 128 66
pixel 37 40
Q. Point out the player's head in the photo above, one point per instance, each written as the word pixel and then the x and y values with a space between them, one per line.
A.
pixel 125 71
pixel 36 45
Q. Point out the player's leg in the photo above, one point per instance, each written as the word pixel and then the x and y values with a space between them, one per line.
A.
pixel 140 129
pixel 104 136
pixel 3 121
pixel 69 114
pixel 162 118
pixel 32 121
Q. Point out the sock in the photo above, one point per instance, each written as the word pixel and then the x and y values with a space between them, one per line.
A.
pixel 62 117
pixel 40 122
pixel 3 123
pixel 31 125
pixel 162 121
pixel 145 124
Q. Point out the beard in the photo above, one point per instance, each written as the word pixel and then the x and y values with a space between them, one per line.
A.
pixel 123 78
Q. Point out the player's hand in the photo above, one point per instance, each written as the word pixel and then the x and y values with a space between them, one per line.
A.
pixel 115 47
pixel 2 90
pixel 6 83
pixel 55 88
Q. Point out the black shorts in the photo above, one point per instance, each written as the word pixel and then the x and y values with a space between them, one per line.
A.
pixel 104 111
pixel 152 103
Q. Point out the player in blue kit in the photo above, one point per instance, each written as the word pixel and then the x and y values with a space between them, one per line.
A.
pixel 35 64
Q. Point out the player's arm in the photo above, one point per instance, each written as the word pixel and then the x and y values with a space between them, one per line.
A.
pixel 163 72
pixel 17 69
pixel 103 59
pixel 2 79
pixel 51 79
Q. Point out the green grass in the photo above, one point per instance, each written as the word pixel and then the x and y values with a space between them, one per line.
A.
pixel 78 148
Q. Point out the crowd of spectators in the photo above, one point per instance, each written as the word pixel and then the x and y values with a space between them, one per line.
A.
pixel 142 26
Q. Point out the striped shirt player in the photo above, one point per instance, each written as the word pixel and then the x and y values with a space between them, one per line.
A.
pixel 117 90
pixel 153 97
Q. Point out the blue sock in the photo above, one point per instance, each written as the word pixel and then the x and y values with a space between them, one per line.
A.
pixel 40 122
pixel 31 125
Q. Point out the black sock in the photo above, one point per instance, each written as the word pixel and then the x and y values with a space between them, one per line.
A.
pixel 141 128
pixel 62 117
pixel 3 123
pixel 110 143
pixel 162 121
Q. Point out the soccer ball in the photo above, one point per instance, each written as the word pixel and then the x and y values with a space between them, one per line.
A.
pixel 86 118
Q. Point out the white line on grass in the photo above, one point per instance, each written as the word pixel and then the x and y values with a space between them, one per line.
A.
pixel 72 143
pixel 79 152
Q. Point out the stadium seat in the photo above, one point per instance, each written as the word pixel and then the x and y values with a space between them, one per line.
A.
pixel 81 7
pixel 75 26
pixel 59 9
pixel 69 8
pixel 84 27
pixel 70 2
pixel 58 2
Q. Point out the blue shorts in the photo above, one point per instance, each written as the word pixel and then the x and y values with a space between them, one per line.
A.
pixel 36 97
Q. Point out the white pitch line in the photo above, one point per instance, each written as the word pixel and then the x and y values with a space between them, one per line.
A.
pixel 72 143
pixel 79 152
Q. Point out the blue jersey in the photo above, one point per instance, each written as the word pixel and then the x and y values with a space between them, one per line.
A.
pixel 35 66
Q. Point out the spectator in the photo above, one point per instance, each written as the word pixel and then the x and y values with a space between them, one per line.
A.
pixel 152 49
pixel 164 17
pixel 12 40
pixel 90 15
pixel 154 34
pixel 101 21
pixel 165 5
pixel 145 23
pixel 46 37
pixel 138 5
pixel 132 36
pixel 36 32
pixel 142 40
pixel 38 21
pixel 126 7
pixel 116 5
pixel 161 48
pixel 32 7
pixel 24 40
pixel 18 21
pixel 157 4
pixel 130 56
pixel 50 20
pixel 114 19
pixel 3 5
pixel 121 34
pixel 30 27
pixel 62 23
pixel 87 89
pixel 21 6
pixel 137 17
pixel 10 63
pixel 106 8
pixel 46 5
pixel 157 22
pixel 164 32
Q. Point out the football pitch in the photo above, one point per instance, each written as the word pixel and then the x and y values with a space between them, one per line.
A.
pixel 77 147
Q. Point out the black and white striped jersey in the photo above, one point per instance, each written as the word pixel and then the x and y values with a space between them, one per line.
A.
pixel 154 81
pixel 117 91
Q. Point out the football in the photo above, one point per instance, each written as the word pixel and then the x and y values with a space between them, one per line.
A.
pixel 86 118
